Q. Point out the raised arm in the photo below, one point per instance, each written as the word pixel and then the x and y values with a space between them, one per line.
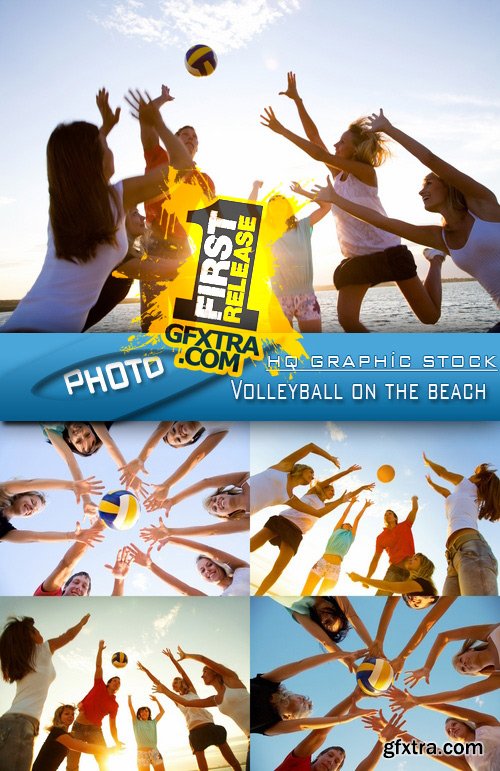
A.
pixel 479 632
pixel 98 673
pixel 316 631
pixel 161 711
pixel 442 472
pixel 79 487
pixel 355 620
pixel 149 135
pixel 287 463
pixel 66 637
pixel 321 210
pixel 109 118
pixel 356 522
pixel 221 480
pixel 374 563
pixel 406 700
pixel 463 713
pixel 308 124
pixel 89 537
pixel 159 687
pixel 413 511
pixel 428 235
pixel 144 560
pixel 138 189
pixel 472 190
pixel 115 453
pixel 303 723
pixel 296 667
pixel 131 708
pixel 214 554
pixel 229 676
pixel 315 739
pixel 396 587
pixel 345 514
pixel 438 488
pixel 254 192
pixel 167 652
pixel 362 171
pixel 66 566
pixel 431 618
pixel 336 477
pixel 383 625
pixel 120 570
pixel 295 503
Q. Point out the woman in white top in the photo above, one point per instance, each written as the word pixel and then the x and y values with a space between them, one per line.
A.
pixel 203 733
pixel 470 214
pixel 27 661
pixel 481 660
pixel 467 725
pixel 230 573
pixel 87 238
pixel 370 255
pixel 286 529
pixel 472 567
pixel 275 485
pixel 229 502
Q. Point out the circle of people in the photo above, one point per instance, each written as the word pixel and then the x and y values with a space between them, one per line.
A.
pixel 275 710
pixel 227 503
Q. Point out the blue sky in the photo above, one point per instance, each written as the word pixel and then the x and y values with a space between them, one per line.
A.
pixel 141 627
pixel 277 639
pixel 458 446
pixel 431 66
pixel 25 454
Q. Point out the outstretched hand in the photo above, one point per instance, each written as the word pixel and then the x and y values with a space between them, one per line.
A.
pixel 143 108
pixel 153 533
pixel 378 122
pixel 325 193
pixel 130 471
pixel 123 561
pixel 109 118
pixel 88 486
pixel 291 90
pixel 269 120
pixel 412 678
pixel 90 536
pixel 400 700
pixel 158 499
pixel 140 557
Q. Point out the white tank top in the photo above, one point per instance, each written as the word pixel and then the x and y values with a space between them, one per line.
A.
pixel 194 715
pixel 32 690
pixel 269 488
pixel 489 736
pixel 461 507
pixel 357 237
pixel 240 586
pixel 304 521
pixel 236 705
pixel 480 257
pixel 65 291
pixel 495 639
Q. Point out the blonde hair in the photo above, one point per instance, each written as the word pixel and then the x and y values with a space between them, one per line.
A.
pixel 56 720
pixel 228 490
pixel 299 468
pixel 370 146
pixel 469 646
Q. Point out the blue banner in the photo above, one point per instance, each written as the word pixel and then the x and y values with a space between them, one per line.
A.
pixel 343 377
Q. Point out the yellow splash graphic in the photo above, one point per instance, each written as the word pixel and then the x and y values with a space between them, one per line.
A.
pixel 240 266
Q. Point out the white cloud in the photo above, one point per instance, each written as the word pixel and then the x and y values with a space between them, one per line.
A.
pixel 479 701
pixel 271 63
pixel 140 582
pixel 227 25
pixel 336 432
pixel 5 200
pixel 161 624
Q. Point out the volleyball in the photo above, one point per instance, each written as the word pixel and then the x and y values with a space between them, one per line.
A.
pixel 386 473
pixel 374 676
pixel 200 60
pixel 119 660
pixel 119 509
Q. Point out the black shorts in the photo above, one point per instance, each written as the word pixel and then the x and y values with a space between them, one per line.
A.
pixel 393 264
pixel 496 328
pixel 206 735
pixel 286 532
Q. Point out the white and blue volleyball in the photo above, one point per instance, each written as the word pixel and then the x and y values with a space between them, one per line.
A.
pixel 374 676
pixel 200 60
pixel 119 509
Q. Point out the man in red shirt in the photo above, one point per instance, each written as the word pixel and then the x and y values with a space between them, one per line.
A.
pixel 99 702
pixel 166 242
pixel 397 540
